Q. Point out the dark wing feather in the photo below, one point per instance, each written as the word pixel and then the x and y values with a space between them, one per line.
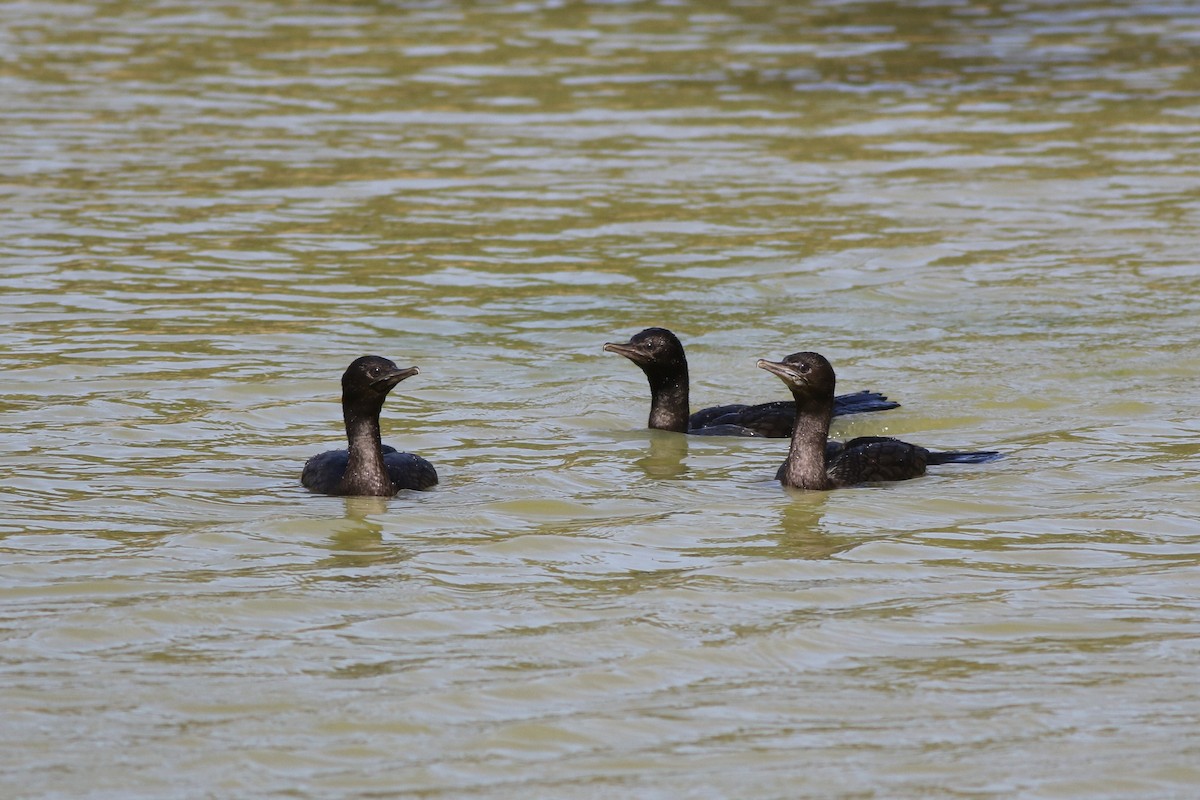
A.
pixel 705 417
pixel 775 420
pixel 962 456
pixel 323 472
pixel 861 402
pixel 409 471
pixel 868 459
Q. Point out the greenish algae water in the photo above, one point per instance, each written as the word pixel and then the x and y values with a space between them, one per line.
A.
pixel 987 211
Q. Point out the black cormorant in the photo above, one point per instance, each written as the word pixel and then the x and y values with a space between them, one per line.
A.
pixel 814 462
pixel 660 355
pixel 369 467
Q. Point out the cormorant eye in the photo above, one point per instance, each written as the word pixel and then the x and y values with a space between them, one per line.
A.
pixel 373 372
pixel 804 369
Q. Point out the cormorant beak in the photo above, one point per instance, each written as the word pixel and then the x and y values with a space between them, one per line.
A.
pixel 786 372
pixel 389 379
pixel 630 351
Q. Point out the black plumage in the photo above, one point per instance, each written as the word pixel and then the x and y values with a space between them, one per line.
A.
pixel 368 467
pixel 814 462
pixel 660 356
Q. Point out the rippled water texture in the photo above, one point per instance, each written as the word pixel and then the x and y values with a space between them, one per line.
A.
pixel 986 210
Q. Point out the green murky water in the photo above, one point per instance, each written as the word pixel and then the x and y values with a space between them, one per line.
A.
pixel 988 211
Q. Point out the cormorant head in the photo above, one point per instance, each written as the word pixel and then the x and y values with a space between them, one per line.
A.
pixel 654 350
pixel 373 377
pixel 806 374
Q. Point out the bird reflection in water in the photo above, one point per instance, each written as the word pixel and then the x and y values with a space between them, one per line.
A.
pixel 803 531
pixel 356 539
pixel 665 459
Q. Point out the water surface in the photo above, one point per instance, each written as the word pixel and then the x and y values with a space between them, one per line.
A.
pixel 987 211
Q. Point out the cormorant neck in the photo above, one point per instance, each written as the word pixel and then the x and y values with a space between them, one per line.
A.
pixel 365 472
pixel 805 464
pixel 669 399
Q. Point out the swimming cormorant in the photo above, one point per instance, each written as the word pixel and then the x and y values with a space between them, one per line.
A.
pixel 660 355
pixel 369 467
pixel 814 462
